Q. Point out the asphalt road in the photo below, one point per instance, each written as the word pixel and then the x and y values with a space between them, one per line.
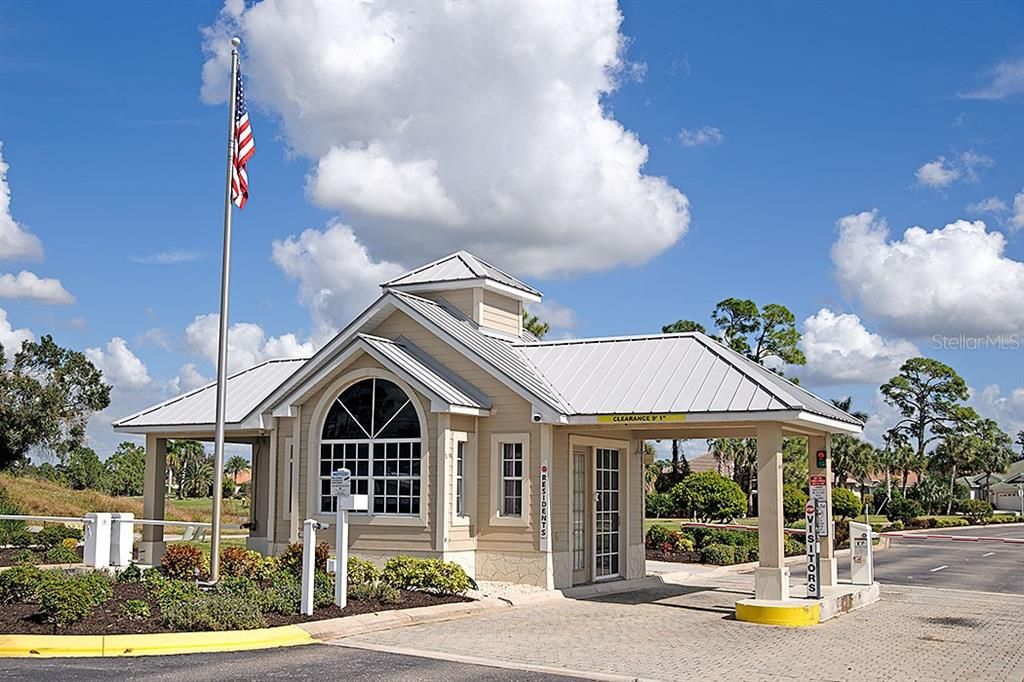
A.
pixel 313 662
pixel 975 566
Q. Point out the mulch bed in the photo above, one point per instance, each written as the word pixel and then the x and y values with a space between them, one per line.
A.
pixel 108 618
pixel 678 557
pixel 7 554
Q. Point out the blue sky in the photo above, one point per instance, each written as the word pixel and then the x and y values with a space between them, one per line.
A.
pixel 775 120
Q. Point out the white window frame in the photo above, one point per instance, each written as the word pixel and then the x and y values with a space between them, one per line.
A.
pixel 497 487
pixel 289 455
pixel 468 476
pixel 312 461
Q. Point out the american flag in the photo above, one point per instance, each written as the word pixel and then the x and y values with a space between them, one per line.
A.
pixel 244 147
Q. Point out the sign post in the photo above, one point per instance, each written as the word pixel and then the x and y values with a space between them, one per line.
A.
pixel 862 571
pixel 341 489
pixel 309 528
pixel 813 558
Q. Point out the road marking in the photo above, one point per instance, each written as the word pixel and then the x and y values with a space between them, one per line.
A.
pixel 937 569
pixel 987 554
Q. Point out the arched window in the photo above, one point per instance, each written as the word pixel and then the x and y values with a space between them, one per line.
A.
pixel 373 430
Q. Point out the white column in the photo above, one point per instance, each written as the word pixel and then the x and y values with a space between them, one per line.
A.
pixel 771 577
pixel 293 531
pixel 151 549
pixel 441 495
pixel 829 572
pixel 547 432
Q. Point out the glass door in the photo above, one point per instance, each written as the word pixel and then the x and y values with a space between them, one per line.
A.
pixel 580 512
pixel 606 513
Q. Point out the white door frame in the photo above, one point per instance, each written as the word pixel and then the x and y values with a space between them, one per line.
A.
pixel 593 442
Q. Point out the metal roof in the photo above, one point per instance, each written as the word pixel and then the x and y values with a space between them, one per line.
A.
pixel 245 391
pixel 670 373
pixel 428 372
pixel 456 267
pixel 503 356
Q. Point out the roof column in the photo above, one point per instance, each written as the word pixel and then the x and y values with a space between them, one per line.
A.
pixel 829 572
pixel 154 490
pixel 771 577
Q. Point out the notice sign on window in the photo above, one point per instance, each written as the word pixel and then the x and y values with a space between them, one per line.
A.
pixel 545 517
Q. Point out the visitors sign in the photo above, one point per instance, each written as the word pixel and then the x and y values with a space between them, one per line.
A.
pixel 813 559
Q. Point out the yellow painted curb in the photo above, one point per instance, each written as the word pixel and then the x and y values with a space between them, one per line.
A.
pixel 798 615
pixel 52 646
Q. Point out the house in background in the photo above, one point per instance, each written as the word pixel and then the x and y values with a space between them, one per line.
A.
pixel 475 442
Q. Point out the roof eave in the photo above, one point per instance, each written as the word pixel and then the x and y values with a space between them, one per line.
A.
pixel 481 282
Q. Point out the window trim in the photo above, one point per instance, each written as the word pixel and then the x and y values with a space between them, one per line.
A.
pixel 288 468
pixel 468 476
pixel 497 489
pixel 312 453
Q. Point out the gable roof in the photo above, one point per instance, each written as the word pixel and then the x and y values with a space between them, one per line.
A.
pixel 459 267
pixel 245 390
pixel 667 373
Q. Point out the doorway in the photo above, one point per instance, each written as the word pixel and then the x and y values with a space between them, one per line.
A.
pixel 595 513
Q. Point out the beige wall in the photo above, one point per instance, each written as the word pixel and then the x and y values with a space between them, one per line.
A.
pixel 501 313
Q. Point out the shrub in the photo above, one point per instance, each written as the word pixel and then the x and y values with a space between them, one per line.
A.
pixel 183 561
pixel 24 556
pixel 444 577
pixel 657 536
pixel 845 504
pixel 70 543
pixel 240 562
pixel 680 542
pixel 658 505
pixel 719 555
pixel 323 589
pixel 283 598
pixel 151 574
pixel 51 536
pixel 975 510
pixel 703 537
pixel 66 600
pixel 793 502
pixel 361 572
pixel 386 594
pixel 18 584
pixel 1002 518
pixel 950 521
pixel 131 574
pixel 100 584
pixel 215 612
pixel 709 496
pixel 898 508
pixel 12 532
pixel 61 555
pixel 135 609
pixel 791 546
pixel 291 559
pixel 239 586
pixel 744 554
pixel 167 593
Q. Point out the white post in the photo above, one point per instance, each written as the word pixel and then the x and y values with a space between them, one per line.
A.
pixel 122 535
pixel 309 527
pixel 341 552
pixel 97 539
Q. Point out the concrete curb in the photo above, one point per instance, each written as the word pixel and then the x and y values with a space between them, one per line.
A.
pixel 339 628
pixel 927 531
pixel 156 644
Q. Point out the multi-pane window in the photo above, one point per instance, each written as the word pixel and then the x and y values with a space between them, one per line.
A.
pixel 460 478
pixel 373 430
pixel 512 479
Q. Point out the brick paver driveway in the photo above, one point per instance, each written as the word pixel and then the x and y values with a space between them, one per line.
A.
pixel 686 632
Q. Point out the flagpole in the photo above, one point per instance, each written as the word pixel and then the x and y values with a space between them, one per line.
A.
pixel 222 336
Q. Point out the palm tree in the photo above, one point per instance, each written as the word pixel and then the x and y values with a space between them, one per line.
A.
pixel 234 466
pixel 957 453
pixel 181 455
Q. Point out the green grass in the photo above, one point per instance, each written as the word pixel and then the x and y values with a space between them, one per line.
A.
pixel 748 521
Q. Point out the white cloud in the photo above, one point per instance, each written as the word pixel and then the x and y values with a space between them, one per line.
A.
pixel 1017 219
pixel 560 317
pixel 1004 80
pixel 15 240
pixel 11 338
pixel 1007 410
pixel 28 285
pixel 337 278
pixel 439 126
pixel 156 337
pixel 840 350
pixel 937 174
pixel 987 205
pixel 120 367
pixel 167 257
pixel 972 164
pixel 247 343
pixel 189 378
pixel 952 280
pixel 701 137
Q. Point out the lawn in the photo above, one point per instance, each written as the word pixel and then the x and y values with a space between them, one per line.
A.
pixel 46 498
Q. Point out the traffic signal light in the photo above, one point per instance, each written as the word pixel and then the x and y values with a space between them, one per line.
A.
pixel 820 457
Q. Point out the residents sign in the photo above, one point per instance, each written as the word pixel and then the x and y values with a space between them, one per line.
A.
pixel 545 507
pixel 813 561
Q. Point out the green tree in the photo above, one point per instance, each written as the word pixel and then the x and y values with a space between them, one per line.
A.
pixel 126 469
pixel 681 326
pixel 995 451
pixel 190 467
pixel 850 454
pixel 534 324
pixel 235 465
pixel 759 334
pixel 845 504
pixel 957 454
pixel 84 470
pixel 741 454
pixel 928 394
pixel 708 496
pixel 794 500
pixel 47 395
